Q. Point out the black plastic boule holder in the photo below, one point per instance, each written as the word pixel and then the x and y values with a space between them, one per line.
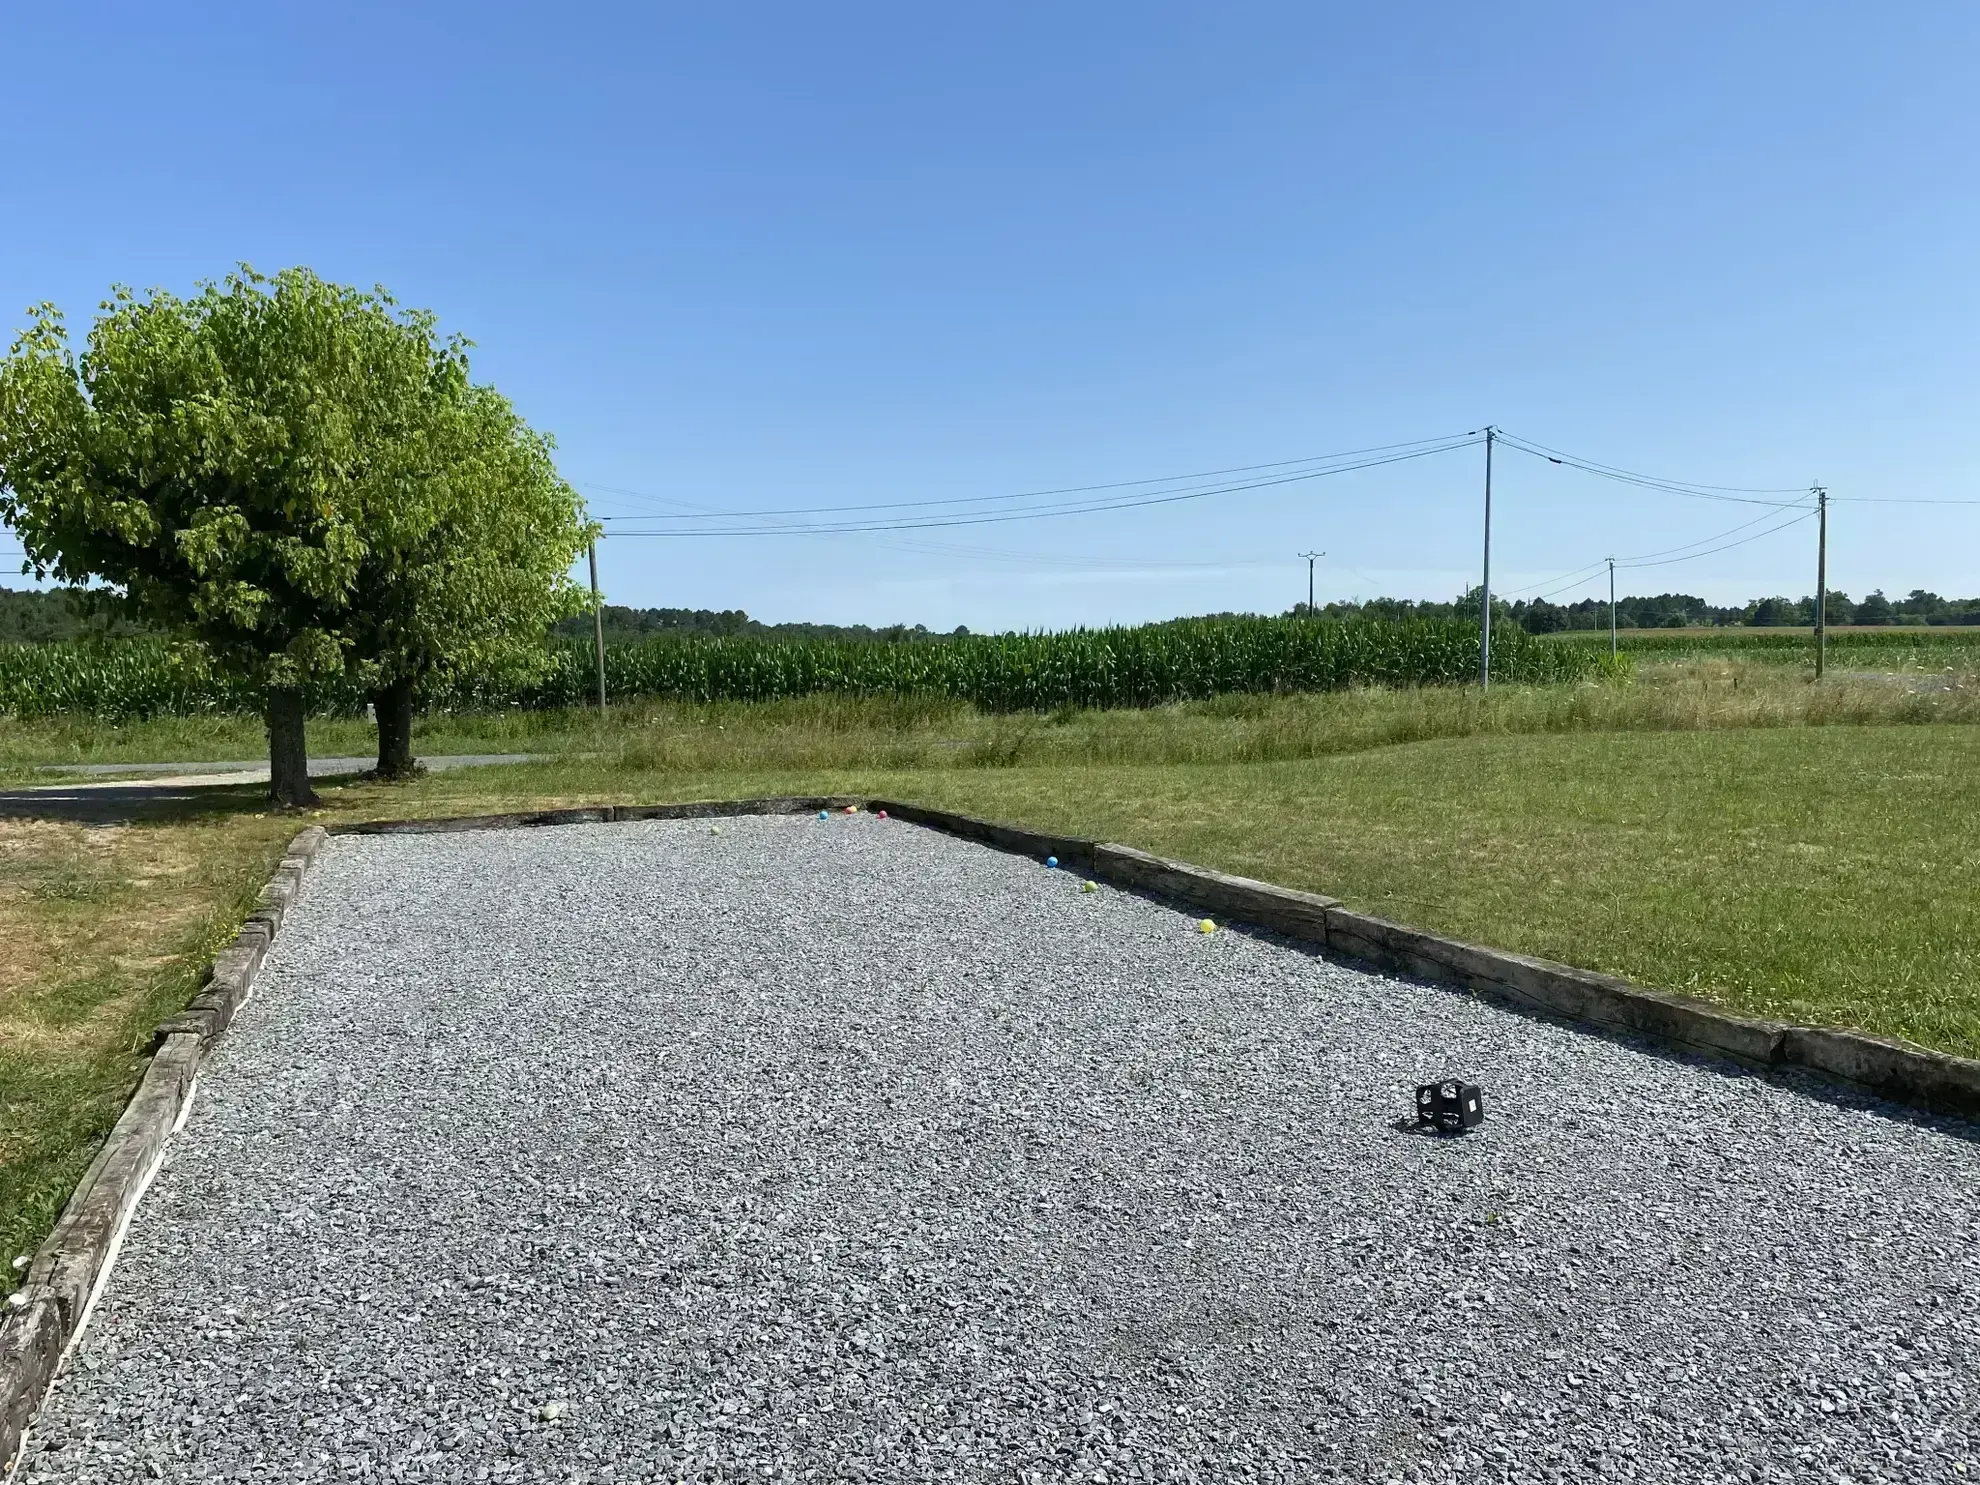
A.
pixel 1449 1107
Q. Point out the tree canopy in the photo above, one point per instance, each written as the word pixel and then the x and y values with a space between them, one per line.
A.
pixel 465 578
pixel 295 474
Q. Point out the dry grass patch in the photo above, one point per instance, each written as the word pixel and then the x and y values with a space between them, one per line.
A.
pixel 108 930
pixel 78 898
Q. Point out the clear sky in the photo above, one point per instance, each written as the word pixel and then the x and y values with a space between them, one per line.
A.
pixel 747 257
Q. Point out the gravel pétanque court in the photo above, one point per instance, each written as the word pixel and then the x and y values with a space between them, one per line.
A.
pixel 845 1150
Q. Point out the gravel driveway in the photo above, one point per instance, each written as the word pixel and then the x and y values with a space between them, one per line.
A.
pixel 845 1150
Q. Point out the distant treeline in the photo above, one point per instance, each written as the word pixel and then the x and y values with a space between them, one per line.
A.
pixel 1671 611
pixel 622 623
pixel 40 616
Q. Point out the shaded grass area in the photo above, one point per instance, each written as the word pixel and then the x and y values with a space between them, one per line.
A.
pixel 1729 831
pixel 27 743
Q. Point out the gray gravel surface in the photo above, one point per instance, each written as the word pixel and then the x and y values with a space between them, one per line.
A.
pixel 843 1150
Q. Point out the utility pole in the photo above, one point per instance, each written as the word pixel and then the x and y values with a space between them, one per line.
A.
pixel 1485 615
pixel 1310 556
pixel 1612 608
pixel 1821 579
pixel 597 630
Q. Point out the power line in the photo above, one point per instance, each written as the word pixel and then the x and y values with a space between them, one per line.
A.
pixel 1574 573
pixel 1669 556
pixel 1756 536
pixel 1642 559
pixel 1082 508
pixel 1074 508
pixel 685 505
pixel 1053 560
pixel 1648 481
pixel 1084 564
pixel 1660 559
pixel 1359 573
pixel 1568 579
pixel 709 513
pixel 1896 500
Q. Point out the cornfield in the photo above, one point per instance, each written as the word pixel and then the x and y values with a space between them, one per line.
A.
pixel 1128 667
pixel 118 679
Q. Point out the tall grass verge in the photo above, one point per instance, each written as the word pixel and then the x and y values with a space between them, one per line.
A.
pixel 848 732
pixel 1896 648
pixel 923 732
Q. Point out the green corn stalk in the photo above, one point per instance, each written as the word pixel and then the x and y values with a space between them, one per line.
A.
pixel 1149 665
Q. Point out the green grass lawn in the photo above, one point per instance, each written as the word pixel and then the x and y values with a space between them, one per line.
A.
pixel 1820 873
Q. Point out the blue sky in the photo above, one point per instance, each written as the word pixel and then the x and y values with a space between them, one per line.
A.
pixel 769 256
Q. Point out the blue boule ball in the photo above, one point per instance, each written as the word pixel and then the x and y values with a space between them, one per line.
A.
pixel 823 815
pixel 1051 860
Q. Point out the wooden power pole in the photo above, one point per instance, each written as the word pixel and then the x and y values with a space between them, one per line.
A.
pixel 1310 557
pixel 597 630
pixel 1821 580
pixel 1612 608
pixel 1485 608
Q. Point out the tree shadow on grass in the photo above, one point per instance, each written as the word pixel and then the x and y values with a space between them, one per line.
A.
pixel 135 803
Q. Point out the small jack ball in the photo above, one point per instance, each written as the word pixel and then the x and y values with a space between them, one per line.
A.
pixel 1206 926
pixel 714 829
pixel 1051 861
pixel 1088 887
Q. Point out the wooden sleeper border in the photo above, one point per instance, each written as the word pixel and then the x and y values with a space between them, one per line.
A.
pixel 1884 1067
pixel 45 1316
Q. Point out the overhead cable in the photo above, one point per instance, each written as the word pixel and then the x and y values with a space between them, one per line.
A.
pixel 1572 576
pixel 1167 497
pixel 1425 445
pixel 1896 500
pixel 1568 579
pixel 1663 559
pixel 1667 561
pixel 1637 477
pixel 1076 563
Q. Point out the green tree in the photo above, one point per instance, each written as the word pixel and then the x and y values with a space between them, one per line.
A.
pixel 1772 611
pixel 463 577
pixel 216 462
pixel 1875 609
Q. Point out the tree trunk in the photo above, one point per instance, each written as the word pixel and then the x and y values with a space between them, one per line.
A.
pixel 288 751
pixel 393 705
